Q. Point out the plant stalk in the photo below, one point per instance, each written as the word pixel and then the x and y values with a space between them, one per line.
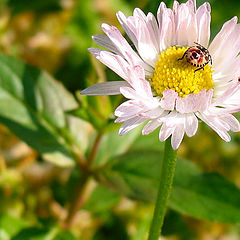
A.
pixel 79 197
pixel 167 170
pixel 77 201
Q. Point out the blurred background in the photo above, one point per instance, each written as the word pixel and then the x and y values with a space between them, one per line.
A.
pixel 54 35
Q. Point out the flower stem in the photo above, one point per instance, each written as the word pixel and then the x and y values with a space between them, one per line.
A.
pixel 94 150
pixel 79 197
pixel 77 201
pixel 167 170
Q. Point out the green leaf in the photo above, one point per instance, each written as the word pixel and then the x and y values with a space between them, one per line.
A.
pixel 147 142
pixel 28 5
pixel 10 225
pixel 175 224
pixel 64 235
pixel 113 229
pixel 32 106
pixel 204 196
pixel 31 233
pixel 90 115
pixel 101 199
pixel 112 145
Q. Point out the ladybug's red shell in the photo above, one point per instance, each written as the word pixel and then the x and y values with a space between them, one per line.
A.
pixel 198 56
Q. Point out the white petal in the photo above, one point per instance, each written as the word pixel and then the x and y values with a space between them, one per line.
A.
pixel 129 93
pixel 232 90
pixel 128 109
pixel 191 5
pixel 222 36
pixel 232 122
pixel 130 124
pixel 113 61
pixel 215 125
pixel 151 126
pixel 138 82
pixel 153 29
pixel 167 31
pixel 123 47
pixel 191 124
pixel 203 21
pixel 177 136
pixel 226 53
pixel 194 102
pixel 146 47
pixel 160 11
pixel 105 88
pixel 186 26
pixel 154 113
pixel 165 132
pixel 128 24
pixel 105 42
pixel 169 99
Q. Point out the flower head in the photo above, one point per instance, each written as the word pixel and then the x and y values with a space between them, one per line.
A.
pixel 172 77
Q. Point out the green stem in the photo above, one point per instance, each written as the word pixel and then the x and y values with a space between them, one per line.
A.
pixel 167 170
pixel 79 197
pixel 77 201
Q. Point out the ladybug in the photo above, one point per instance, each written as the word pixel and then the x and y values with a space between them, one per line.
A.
pixel 198 56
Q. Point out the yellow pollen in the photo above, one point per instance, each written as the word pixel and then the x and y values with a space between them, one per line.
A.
pixel 179 75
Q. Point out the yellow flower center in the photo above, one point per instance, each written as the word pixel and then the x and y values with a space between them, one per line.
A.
pixel 179 75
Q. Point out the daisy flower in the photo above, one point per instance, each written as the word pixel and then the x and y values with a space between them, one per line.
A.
pixel 172 76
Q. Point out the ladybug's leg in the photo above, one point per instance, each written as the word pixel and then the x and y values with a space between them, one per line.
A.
pixel 199 69
pixel 210 59
pixel 182 56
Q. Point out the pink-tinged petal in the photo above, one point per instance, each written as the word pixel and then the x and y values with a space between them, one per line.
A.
pixel 215 125
pixel 232 122
pixel 165 132
pixel 191 124
pixel 191 5
pixel 168 100
pixel 128 109
pixel 220 39
pixel 227 70
pixel 154 29
pixel 123 46
pixel 104 41
pixel 194 102
pixel 122 119
pixel 177 136
pixel 175 7
pixel 162 7
pixel 138 13
pixel 113 61
pixel 228 50
pixel 105 88
pixel 192 29
pixel 146 47
pixel 151 126
pixel 130 124
pixel 167 31
pixel 129 26
pixel 153 113
pixel 138 82
pixel 129 93
pixel 203 16
pixel 186 26
pixel 222 110
pixel 232 90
